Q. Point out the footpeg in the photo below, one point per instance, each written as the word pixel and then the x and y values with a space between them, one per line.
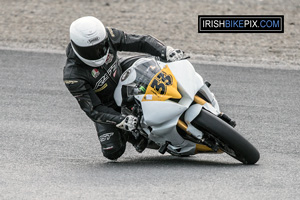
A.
pixel 163 148
pixel 227 119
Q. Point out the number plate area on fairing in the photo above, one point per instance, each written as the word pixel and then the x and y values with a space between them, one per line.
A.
pixel 177 76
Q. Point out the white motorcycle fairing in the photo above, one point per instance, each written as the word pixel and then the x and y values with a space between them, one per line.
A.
pixel 168 91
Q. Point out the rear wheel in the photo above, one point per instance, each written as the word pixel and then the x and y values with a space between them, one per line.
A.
pixel 227 139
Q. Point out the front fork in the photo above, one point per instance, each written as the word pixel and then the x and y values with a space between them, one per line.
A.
pixel 190 130
pixel 202 146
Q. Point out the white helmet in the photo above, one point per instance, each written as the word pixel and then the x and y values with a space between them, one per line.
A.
pixel 89 40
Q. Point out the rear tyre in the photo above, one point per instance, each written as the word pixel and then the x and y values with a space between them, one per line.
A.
pixel 229 140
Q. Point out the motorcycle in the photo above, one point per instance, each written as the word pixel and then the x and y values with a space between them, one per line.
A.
pixel 177 112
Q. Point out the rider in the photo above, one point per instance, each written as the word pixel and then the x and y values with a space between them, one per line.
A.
pixel 92 72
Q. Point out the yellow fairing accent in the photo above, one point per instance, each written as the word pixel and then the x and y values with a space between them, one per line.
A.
pixel 162 87
pixel 200 148
pixel 199 100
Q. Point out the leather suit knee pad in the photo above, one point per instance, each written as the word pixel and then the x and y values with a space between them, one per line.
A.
pixel 113 143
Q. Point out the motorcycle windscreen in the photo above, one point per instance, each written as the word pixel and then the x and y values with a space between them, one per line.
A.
pixel 162 87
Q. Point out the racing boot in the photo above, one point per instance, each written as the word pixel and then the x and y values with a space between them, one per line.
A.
pixel 140 143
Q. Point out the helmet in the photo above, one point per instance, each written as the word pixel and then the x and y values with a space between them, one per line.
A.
pixel 89 40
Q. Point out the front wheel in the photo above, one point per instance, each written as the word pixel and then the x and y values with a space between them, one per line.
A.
pixel 227 139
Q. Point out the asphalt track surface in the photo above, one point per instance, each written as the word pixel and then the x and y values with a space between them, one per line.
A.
pixel 49 148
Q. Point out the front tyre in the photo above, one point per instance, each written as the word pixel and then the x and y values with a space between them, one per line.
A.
pixel 228 139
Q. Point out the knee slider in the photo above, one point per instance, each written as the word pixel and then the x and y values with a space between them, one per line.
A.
pixel 114 154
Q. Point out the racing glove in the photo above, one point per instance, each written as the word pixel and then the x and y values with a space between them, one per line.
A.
pixel 173 54
pixel 129 123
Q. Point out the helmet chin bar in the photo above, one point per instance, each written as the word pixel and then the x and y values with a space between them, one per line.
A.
pixel 92 63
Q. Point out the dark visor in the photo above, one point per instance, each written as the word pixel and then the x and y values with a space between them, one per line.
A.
pixel 94 52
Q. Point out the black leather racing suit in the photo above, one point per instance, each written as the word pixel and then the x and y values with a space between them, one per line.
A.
pixel 94 87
